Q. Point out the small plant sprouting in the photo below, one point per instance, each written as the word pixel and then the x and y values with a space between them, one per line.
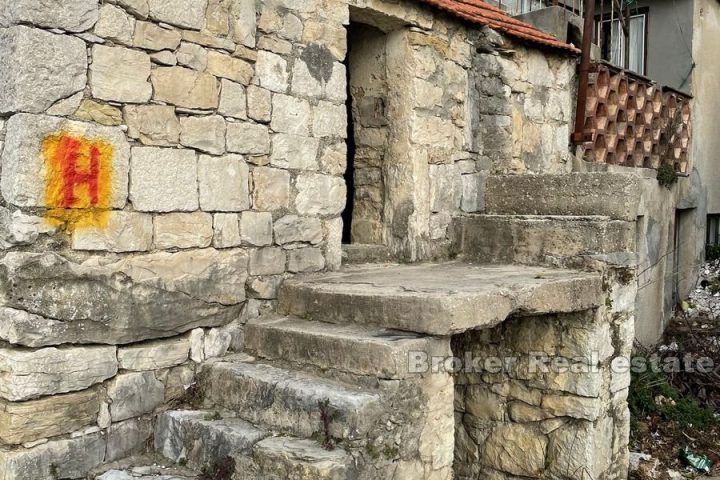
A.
pixel 211 417
pixel 326 417
pixel 666 175
pixel 220 470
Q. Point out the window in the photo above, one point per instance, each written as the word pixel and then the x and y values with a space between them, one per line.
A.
pixel 612 42
pixel 713 230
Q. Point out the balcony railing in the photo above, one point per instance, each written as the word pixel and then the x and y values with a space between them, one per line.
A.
pixel 631 121
pixel 520 7
pixel 623 118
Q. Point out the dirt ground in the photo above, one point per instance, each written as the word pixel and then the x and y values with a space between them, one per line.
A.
pixel 672 410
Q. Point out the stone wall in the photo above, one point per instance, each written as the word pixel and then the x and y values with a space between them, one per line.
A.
pixel 164 166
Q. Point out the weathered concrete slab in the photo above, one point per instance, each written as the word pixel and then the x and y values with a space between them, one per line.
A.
pixel 354 349
pixel 438 299
pixel 611 194
pixel 289 400
pixel 51 300
pixel 201 439
pixel 537 239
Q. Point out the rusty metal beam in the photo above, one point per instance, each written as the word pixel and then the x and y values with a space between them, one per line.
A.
pixel 584 76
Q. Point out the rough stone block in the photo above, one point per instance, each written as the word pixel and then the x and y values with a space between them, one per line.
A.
pixel 320 194
pixel 66 458
pixel 163 294
pixel 152 124
pixel 114 24
pixel 183 13
pixel 225 66
pixel 516 449
pixel 92 111
pixel 226 230
pixel 330 120
pixel 291 115
pixel 70 15
pixel 153 37
pixel 154 355
pixel 307 259
pixel 23 164
pixel 38 68
pixel 445 188
pixel 267 261
pixel 203 133
pixel 134 394
pixel 163 179
pixel 256 228
pixel 259 104
pixel 185 88
pixel 22 422
pixel 138 7
pixel 120 74
pixel 243 22
pixel 292 228
pixel 233 100
pixel 122 232
pixel 183 230
pixel 193 56
pixel 186 434
pixel 127 438
pixel 223 183
pixel 272 72
pixel 248 138
pixel 294 152
pixel 271 188
pixel 30 374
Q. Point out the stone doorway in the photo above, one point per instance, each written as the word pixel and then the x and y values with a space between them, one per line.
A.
pixel 368 134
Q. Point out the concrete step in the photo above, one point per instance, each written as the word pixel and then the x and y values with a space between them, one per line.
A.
pixel 615 195
pixel 292 402
pixel 348 348
pixel 205 442
pixel 438 299
pixel 542 239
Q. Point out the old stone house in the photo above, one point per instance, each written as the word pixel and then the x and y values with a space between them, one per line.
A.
pixel 253 237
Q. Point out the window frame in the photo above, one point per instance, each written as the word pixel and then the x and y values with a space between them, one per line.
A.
pixel 643 12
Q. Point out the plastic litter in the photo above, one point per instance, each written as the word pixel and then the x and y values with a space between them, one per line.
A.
pixel 701 463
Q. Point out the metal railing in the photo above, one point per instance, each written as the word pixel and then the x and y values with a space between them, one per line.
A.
pixel 519 7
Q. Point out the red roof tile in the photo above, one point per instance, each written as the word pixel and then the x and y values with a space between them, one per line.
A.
pixel 482 13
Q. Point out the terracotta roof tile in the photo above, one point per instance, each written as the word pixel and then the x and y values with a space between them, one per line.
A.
pixel 482 13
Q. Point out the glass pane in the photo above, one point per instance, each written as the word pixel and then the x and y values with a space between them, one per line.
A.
pixel 637 44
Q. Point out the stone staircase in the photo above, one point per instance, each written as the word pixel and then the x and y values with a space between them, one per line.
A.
pixel 342 383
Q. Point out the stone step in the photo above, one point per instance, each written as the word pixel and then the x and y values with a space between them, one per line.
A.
pixel 354 253
pixel 348 348
pixel 201 438
pixel 148 466
pixel 542 239
pixel 143 473
pixel 205 442
pixel 288 458
pixel 615 195
pixel 438 299
pixel 292 402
